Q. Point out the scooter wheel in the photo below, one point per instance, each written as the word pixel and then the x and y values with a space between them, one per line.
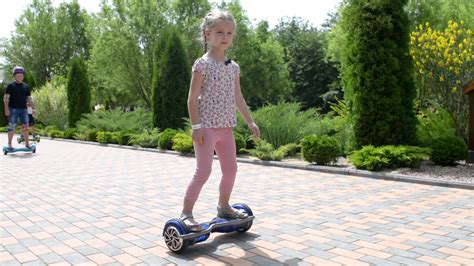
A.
pixel 172 232
pixel 242 206
pixel 5 152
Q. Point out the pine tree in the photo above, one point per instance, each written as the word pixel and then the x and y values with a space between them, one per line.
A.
pixel 377 72
pixel 171 76
pixel 78 91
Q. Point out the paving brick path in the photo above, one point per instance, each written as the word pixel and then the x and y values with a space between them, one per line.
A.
pixel 77 204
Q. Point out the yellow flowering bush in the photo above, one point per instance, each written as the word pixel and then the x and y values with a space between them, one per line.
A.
pixel 444 62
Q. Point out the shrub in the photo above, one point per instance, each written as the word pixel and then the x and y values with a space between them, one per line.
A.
pixel 55 133
pixel 147 139
pixel 115 121
pixel 3 118
pixel 284 123
pixel 265 151
pixel 448 150
pixel 183 143
pixel 123 137
pixel 166 139
pixel 106 137
pixel 51 104
pixel 240 143
pixel 285 150
pixel 92 135
pixel 70 133
pixel 3 129
pixel 434 124
pixel 386 157
pixel 48 129
pixel 320 149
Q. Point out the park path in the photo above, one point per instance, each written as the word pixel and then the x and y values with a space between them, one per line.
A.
pixel 74 203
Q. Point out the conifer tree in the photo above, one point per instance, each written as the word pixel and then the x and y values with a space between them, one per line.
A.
pixel 78 91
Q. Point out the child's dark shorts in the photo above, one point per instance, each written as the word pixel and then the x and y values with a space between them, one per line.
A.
pixel 31 120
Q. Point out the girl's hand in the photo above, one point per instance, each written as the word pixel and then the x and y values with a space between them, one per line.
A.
pixel 7 112
pixel 198 136
pixel 255 130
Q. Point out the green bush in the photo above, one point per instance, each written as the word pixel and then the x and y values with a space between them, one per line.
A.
pixel 115 121
pixel 106 137
pixel 55 133
pixel 265 151
pixel 387 157
pixel 286 150
pixel 123 137
pixel 3 129
pixel 321 150
pixel 166 139
pixel 70 133
pixel 147 139
pixel 91 135
pixel 240 143
pixel 285 123
pixel 48 129
pixel 447 150
pixel 51 104
pixel 434 124
pixel 183 143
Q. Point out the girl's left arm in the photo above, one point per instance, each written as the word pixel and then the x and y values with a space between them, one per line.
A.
pixel 244 109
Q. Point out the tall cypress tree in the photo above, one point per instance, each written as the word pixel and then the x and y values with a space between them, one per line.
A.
pixel 377 72
pixel 171 76
pixel 78 91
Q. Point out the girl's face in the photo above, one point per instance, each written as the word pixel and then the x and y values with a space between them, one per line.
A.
pixel 221 34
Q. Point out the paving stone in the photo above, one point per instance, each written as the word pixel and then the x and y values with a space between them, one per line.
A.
pixel 50 258
pixel 102 202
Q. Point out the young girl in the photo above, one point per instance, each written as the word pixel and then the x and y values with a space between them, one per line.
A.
pixel 213 96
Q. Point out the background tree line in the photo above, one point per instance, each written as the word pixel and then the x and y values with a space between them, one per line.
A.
pixel 121 42
pixel 138 53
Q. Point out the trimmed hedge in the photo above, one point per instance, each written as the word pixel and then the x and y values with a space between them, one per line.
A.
pixel 166 139
pixel 321 150
pixel 446 151
pixel 183 143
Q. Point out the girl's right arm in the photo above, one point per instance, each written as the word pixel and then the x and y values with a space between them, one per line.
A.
pixel 193 103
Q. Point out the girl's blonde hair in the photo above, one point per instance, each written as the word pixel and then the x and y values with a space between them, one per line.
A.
pixel 210 20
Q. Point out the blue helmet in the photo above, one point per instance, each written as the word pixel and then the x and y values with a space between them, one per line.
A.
pixel 18 69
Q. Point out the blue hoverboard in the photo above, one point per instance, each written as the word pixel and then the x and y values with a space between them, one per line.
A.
pixel 178 237
pixel 6 150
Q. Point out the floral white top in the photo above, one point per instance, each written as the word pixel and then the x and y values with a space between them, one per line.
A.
pixel 217 99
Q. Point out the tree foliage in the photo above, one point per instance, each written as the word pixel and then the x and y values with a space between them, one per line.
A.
pixel 170 84
pixel 78 91
pixel 377 72
pixel 264 75
pixel 187 17
pixel 46 38
pixel 444 64
pixel 125 34
pixel 439 12
pixel 51 104
pixel 314 77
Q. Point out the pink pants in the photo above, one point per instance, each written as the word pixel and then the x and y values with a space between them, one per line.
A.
pixel 222 141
